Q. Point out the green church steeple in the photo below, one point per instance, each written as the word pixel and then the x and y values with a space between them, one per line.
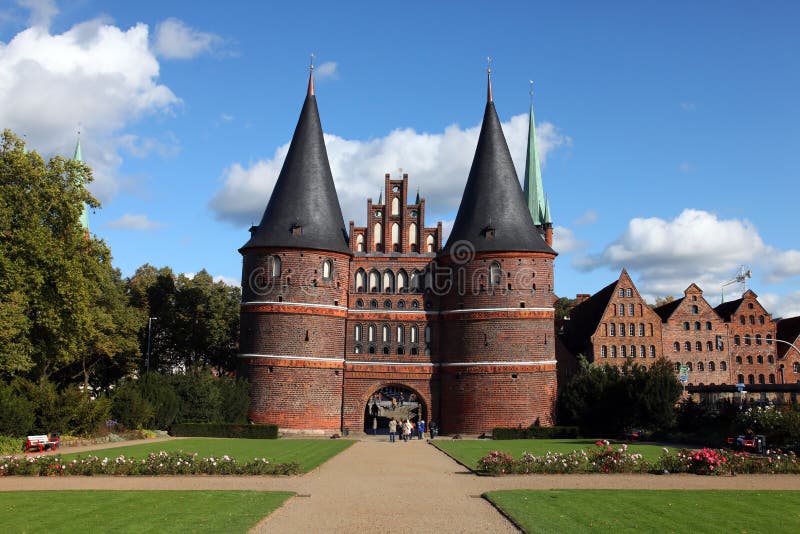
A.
pixel 534 191
pixel 85 213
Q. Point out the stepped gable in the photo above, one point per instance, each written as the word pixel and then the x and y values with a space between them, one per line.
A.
pixel 303 211
pixel 493 214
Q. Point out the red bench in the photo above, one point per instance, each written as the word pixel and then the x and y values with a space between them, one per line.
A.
pixel 41 443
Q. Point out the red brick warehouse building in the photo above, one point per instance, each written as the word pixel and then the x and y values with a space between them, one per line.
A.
pixel 331 317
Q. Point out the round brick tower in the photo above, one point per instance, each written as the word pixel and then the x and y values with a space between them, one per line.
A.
pixel 498 365
pixel 294 290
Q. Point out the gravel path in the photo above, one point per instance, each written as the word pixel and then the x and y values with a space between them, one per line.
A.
pixel 377 486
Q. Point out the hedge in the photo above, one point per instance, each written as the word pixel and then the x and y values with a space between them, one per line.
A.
pixel 224 430
pixel 536 432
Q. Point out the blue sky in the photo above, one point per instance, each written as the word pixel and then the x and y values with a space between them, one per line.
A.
pixel 669 129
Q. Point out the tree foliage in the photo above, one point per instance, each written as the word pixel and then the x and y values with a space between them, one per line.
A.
pixel 605 400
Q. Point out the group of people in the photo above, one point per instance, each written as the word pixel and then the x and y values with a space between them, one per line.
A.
pixel 407 429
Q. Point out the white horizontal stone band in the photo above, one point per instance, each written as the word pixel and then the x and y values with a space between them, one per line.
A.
pixel 291 357
pixel 473 310
pixel 471 364
pixel 394 363
pixel 300 304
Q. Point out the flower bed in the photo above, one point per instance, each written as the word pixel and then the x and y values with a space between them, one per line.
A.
pixel 160 463
pixel 605 458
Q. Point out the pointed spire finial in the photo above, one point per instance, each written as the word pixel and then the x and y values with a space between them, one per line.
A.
pixel 417 201
pixel 489 97
pixel 311 76
pixel 530 92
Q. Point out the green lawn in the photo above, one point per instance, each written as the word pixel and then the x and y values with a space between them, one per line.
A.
pixel 469 452
pixel 309 453
pixel 687 511
pixel 136 511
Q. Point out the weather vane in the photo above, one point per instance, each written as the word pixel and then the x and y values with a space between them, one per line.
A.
pixel 311 66
pixel 531 90
pixel 488 64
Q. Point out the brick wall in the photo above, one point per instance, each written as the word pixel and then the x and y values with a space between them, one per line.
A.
pixel 752 321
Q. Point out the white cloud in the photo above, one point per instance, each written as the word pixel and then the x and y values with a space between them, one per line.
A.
pixel 95 75
pixel 326 70
pixel 781 305
pixel 688 106
pixel 686 167
pixel 42 12
pixel 564 240
pixel 227 280
pixel 175 40
pixel 437 163
pixel 136 222
pixel 697 247
pixel 590 217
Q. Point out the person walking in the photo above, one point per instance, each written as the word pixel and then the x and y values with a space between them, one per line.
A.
pixel 406 430
pixel 392 429
pixel 433 428
pixel 421 429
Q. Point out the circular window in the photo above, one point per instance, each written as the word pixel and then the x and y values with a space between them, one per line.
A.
pixel 378 214
pixel 414 213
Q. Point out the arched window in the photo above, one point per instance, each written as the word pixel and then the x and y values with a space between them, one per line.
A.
pixel 723 366
pixel 676 347
pixel 633 351
pixel 771 358
pixel 415 304
pixel 753 320
pixel 739 359
pixel 698 346
pixel 401 304
pixel 359 303
pixel 371 333
pixel 771 378
pixel 604 351
pixel 377 236
pixel 387 304
pixel 761 379
pixel 737 340
pixel 327 269
pixel 700 366
pixel 695 310
pixel 373 304
pixel 652 351
pixel 400 334
pixel 686 325
pixel 796 367
pixel 621 292
pixel 374 282
pixel 632 329
pixel 612 329
pixel 761 319
pixel 641 329
pixel 758 339
pixel 708 325
pixel 622 310
pixel 428 334
pixel 395 206
pixel 388 282
pixel 748 340
pixel 396 237
pixel 385 334
pixel 357 349
pixel 275 266
pixel 621 328
pixel 623 351
pixel 357 332
pixel 630 309
pixel 760 359
pixel 769 339
pixel 689 365
pixel 361 281
pixel 412 236
pixel 711 367
pixel 750 360
pixel 429 244
pixel 629 292
pixel 402 281
pixel 416 280
pixel 360 243
pixel 687 346
pixel 740 379
pixel 677 367
pixel 709 345
pixel 413 334
pixel 697 325
pixel 613 351
pixel 642 351
pixel 495 274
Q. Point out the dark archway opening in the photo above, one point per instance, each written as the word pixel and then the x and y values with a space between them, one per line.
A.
pixel 392 402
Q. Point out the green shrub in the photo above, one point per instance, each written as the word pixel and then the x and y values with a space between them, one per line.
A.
pixel 82 415
pixel 159 391
pixel 129 408
pixel 536 432
pixel 224 430
pixel 16 413
pixel 10 445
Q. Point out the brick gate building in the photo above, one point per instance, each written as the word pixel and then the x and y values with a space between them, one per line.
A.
pixel 331 315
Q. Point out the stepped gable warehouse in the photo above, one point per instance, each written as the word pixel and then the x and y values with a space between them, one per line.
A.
pixel 329 318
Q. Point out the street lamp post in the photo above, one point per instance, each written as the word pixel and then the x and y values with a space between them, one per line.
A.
pixel 149 335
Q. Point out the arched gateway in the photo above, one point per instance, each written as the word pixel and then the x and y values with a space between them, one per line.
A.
pixel 392 401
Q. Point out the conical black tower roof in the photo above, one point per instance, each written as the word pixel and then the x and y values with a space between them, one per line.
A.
pixel 303 211
pixel 493 214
